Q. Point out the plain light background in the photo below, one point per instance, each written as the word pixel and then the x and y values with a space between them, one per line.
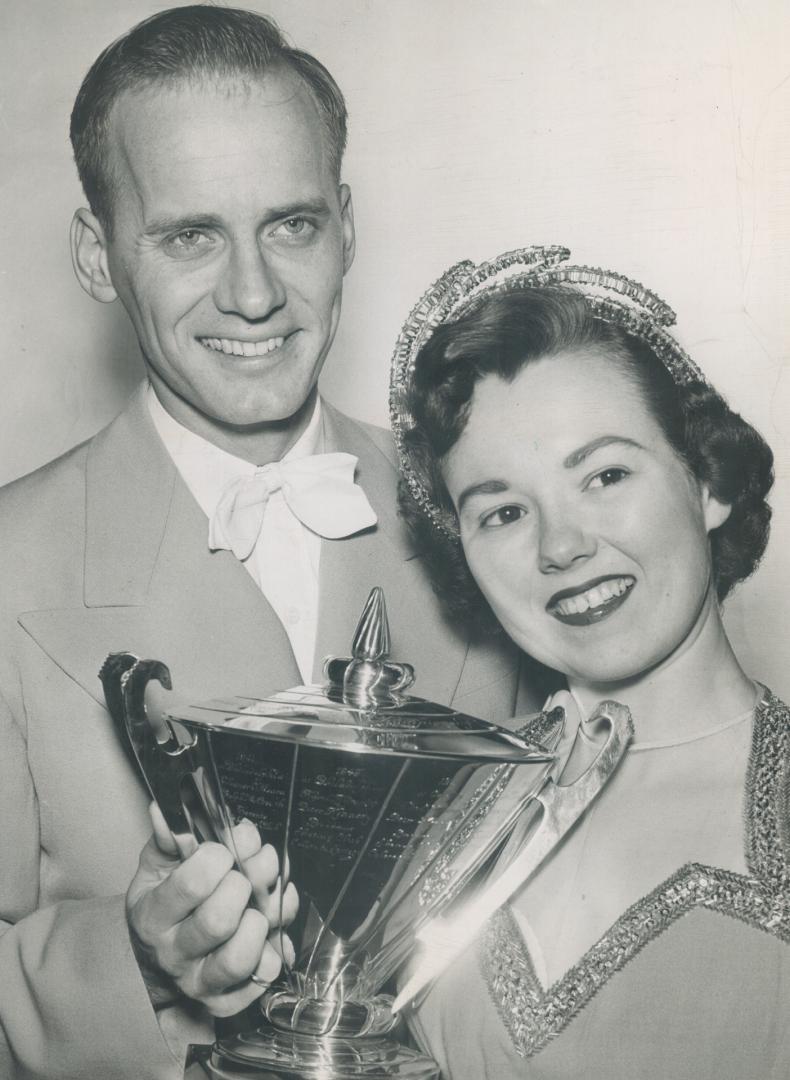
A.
pixel 650 137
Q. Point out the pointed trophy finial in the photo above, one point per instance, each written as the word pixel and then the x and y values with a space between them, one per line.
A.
pixel 368 677
pixel 372 636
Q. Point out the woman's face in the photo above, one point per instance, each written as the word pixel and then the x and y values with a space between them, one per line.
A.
pixel 584 530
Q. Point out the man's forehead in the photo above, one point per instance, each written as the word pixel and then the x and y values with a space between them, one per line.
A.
pixel 212 129
pixel 153 105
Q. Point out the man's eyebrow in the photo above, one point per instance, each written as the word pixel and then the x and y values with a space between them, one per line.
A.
pixel 316 207
pixel 578 456
pixel 487 487
pixel 163 226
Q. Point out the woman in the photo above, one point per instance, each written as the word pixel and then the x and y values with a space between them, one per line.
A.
pixel 570 473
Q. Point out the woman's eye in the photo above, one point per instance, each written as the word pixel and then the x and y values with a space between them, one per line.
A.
pixel 607 477
pixel 503 515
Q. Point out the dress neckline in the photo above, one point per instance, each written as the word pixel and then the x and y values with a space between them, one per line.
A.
pixel 533 1016
pixel 638 746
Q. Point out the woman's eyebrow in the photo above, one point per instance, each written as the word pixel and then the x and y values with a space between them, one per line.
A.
pixel 487 487
pixel 578 456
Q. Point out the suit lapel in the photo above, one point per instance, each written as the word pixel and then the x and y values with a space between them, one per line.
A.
pixel 152 586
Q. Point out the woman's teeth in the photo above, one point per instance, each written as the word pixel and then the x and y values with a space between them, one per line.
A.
pixel 595 597
pixel 242 348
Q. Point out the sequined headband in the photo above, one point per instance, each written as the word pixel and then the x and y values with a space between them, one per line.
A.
pixel 611 297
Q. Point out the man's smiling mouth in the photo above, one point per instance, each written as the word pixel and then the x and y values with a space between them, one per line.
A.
pixel 591 602
pixel 234 347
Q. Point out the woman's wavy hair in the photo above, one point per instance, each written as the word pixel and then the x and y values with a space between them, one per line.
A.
pixel 508 330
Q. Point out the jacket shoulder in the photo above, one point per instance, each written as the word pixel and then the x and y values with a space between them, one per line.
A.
pixel 34 497
pixel 42 533
pixel 380 437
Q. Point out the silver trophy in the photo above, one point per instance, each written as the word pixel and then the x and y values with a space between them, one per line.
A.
pixel 404 825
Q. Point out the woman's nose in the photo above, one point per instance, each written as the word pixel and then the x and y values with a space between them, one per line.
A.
pixel 248 285
pixel 563 539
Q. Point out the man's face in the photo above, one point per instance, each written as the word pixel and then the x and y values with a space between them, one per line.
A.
pixel 230 241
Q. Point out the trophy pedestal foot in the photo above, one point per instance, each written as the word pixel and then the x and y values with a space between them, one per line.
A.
pixel 269 1054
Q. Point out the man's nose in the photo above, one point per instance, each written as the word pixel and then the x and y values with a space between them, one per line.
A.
pixel 563 539
pixel 249 286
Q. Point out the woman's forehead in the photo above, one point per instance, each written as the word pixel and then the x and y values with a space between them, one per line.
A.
pixel 552 407
pixel 585 381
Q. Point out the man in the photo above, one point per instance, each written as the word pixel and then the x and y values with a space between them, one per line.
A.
pixel 201 527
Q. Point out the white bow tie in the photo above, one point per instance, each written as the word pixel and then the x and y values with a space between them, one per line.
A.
pixel 319 490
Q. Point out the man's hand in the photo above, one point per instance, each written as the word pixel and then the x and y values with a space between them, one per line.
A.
pixel 191 925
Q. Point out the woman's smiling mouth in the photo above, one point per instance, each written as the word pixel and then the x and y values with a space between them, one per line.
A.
pixel 591 602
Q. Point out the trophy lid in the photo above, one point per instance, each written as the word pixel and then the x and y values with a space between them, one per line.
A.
pixel 411 726
pixel 362 707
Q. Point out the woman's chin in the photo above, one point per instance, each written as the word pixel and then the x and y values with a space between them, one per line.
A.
pixel 606 673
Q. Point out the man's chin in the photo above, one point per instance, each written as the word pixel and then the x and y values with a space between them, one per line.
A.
pixel 257 416
pixel 265 415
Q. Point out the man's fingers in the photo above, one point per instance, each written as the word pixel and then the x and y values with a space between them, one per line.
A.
pixel 246 953
pixel 269 965
pixel 262 871
pixel 181 846
pixel 259 863
pixel 184 889
pixel 196 921
pixel 246 839
pixel 261 866
pixel 280 907
pixel 283 945
pixel 290 905
pixel 214 921
pixel 162 835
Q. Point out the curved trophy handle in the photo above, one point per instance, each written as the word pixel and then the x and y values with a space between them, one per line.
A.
pixel 176 766
pixel 443 938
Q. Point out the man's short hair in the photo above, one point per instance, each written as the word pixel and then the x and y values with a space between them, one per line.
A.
pixel 188 43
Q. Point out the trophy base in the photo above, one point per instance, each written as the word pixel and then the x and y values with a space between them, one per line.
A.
pixel 269 1054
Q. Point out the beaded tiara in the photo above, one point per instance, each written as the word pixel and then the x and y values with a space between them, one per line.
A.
pixel 611 297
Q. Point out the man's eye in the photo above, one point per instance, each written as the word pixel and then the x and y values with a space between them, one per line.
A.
pixel 188 242
pixel 296 227
pixel 503 515
pixel 607 477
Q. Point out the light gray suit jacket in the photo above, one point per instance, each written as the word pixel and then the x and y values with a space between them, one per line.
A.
pixel 105 550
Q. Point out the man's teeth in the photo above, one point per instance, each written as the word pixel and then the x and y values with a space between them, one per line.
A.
pixel 242 348
pixel 593 598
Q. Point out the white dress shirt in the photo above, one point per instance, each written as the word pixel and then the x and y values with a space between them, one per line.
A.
pixel 284 563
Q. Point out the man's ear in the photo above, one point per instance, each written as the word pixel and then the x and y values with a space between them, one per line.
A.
pixel 347 221
pixel 714 511
pixel 89 256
